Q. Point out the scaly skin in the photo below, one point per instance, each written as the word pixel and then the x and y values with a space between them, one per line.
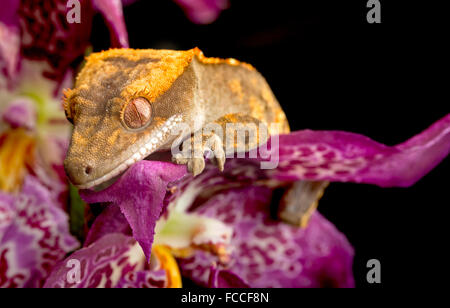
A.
pixel 181 86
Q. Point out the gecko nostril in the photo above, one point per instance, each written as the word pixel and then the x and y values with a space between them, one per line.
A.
pixel 88 169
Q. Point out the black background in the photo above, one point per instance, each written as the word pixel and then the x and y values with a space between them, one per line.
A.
pixel 330 69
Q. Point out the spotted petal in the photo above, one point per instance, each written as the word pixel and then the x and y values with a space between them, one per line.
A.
pixel 115 260
pixel 41 31
pixel 34 236
pixel 220 278
pixel 267 253
pixel 347 157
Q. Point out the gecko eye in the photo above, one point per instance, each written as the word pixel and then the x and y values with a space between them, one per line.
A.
pixel 137 113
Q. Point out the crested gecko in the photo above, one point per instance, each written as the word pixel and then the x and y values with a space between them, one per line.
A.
pixel 126 102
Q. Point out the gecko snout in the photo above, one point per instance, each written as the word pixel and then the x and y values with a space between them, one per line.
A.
pixel 78 172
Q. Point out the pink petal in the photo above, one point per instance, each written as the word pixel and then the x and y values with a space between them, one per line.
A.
pixel 347 157
pixel 34 238
pixel 20 113
pixel 203 11
pixel 9 37
pixel 113 13
pixel 267 253
pixel 111 220
pixel 115 260
pixel 52 38
pixel 225 279
pixel 139 193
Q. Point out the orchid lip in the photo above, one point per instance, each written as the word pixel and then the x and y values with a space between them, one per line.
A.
pixel 155 140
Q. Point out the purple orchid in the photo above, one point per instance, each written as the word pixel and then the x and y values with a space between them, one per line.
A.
pixel 244 245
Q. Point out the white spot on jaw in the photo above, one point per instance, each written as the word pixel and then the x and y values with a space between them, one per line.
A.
pixel 143 152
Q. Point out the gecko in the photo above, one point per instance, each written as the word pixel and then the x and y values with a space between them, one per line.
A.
pixel 126 102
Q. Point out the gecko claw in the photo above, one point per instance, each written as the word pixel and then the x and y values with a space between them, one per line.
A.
pixel 219 158
pixel 216 147
pixel 196 165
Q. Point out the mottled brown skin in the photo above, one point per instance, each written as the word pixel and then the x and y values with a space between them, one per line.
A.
pixel 175 82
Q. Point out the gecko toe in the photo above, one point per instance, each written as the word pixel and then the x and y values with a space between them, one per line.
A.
pixel 216 147
pixel 219 158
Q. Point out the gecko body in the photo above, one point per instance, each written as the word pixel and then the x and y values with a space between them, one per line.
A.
pixel 126 103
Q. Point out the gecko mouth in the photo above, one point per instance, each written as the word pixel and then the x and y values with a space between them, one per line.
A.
pixel 155 140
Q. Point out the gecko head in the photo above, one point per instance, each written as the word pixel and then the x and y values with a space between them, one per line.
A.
pixel 123 107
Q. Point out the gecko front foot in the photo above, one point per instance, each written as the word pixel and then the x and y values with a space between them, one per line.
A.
pixel 194 150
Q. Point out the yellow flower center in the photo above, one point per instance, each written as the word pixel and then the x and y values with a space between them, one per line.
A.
pixel 16 151
pixel 169 264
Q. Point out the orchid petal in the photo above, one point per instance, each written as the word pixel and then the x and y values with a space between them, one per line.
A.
pixel 267 253
pixel 140 193
pixel 110 220
pixel 102 264
pixel 9 37
pixel 113 261
pixel 35 239
pixel 54 39
pixel 143 279
pixel 225 279
pixel 184 232
pixel 347 157
pixel 20 113
pixel 113 13
pixel 203 11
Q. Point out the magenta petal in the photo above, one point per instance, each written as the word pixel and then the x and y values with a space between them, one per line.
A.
pixel 34 236
pixel 139 193
pixel 347 157
pixel 225 279
pixel 9 37
pixel 144 279
pixel 111 220
pixel 267 253
pixel 203 11
pixel 54 39
pixel 7 213
pixel 102 264
pixel 112 11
